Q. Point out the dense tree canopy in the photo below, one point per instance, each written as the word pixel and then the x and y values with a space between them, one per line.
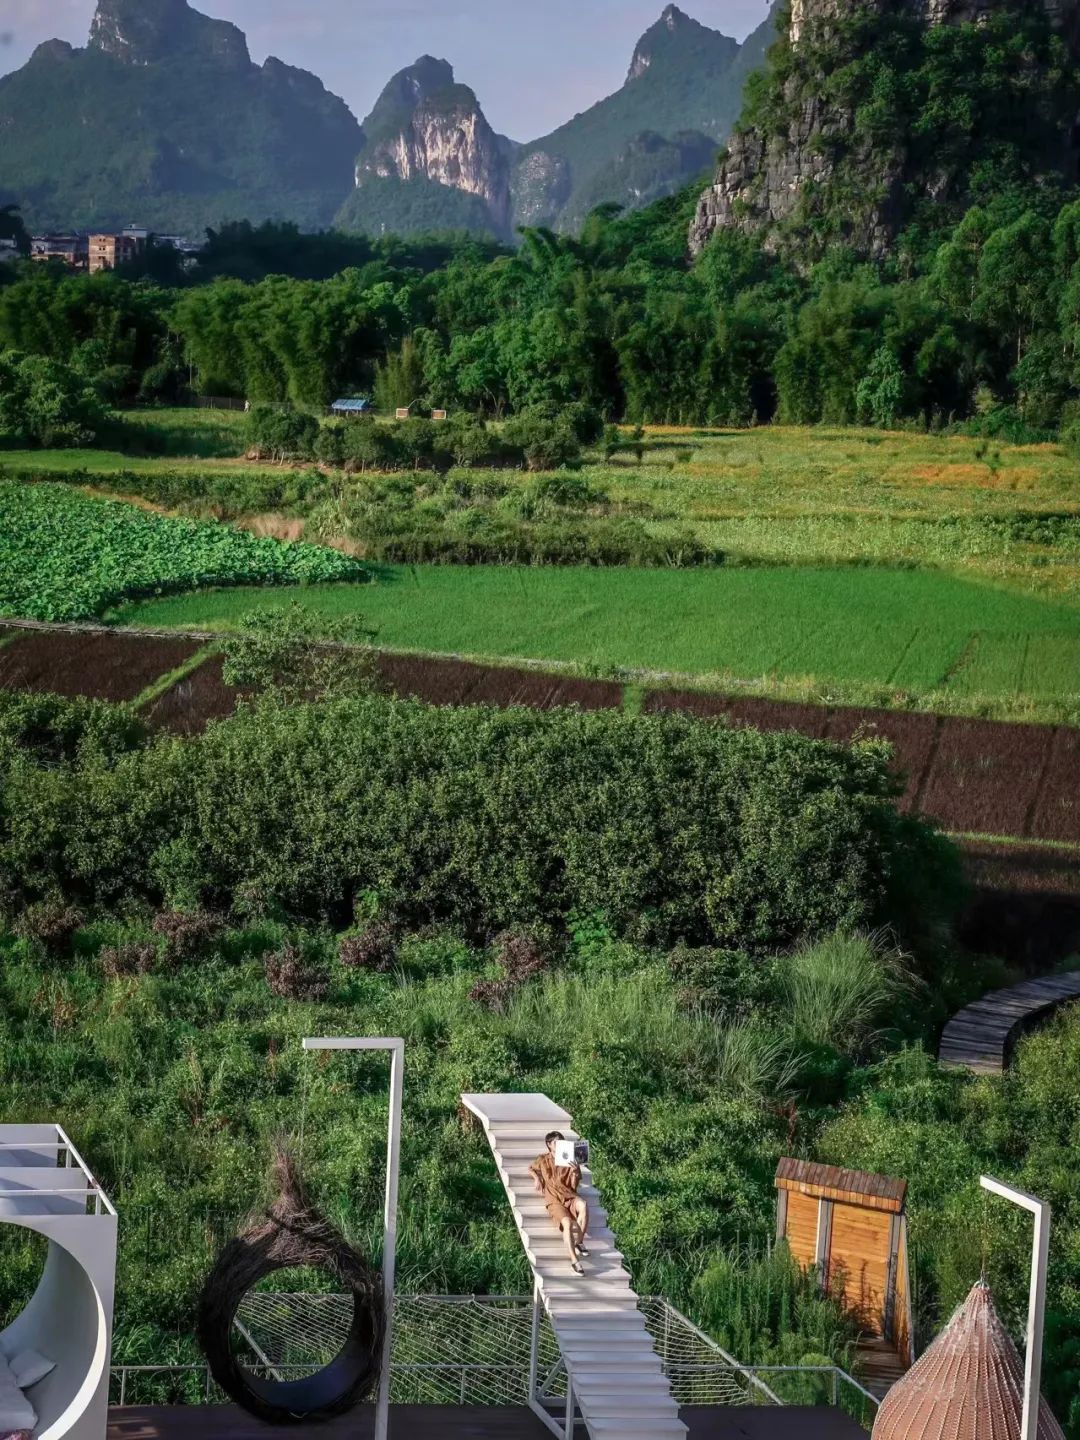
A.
pixel 980 322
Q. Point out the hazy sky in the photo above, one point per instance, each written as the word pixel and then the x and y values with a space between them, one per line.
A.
pixel 533 63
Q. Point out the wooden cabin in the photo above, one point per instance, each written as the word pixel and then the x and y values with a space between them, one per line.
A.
pixel 853 1227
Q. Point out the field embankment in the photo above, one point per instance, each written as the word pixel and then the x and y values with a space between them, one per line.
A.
pixel 971 777
pixel 854 634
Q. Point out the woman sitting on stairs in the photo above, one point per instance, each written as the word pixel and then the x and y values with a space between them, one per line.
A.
pixel 558 1185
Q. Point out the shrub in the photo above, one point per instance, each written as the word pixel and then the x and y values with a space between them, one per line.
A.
pixel 547 444
pixel 280 435
pixel 53 729
pixel 293 974
pixel 585 420
pixel 135 957
pixel 369 445
pixel 186 933
pixel 296 653
pixel 44 402
pixel 521 956
pixel 330 444
pixel 729 984
pixel 373 948
pixel 563 488
pixel 485 820
pixel 51 924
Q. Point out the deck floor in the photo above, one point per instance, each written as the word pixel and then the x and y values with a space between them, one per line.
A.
pixel 428 1422
pixel 979 1037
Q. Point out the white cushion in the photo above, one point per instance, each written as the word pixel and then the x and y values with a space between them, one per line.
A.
pixel 29 1367
pixel 16 1412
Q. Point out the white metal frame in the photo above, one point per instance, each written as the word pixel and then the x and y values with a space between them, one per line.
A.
pixel 47 1187
pixel 396 1047
pixel 1040 1254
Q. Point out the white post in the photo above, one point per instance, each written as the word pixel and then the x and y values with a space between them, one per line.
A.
pixel 534 1341
pixel 390 1205
pixel 568 1429
pixel 1040 1252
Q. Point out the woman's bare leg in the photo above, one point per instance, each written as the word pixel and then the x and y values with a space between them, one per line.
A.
pixel 580 1211
pixel 566 1225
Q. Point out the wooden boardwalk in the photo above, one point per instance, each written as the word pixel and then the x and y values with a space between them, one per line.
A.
pixel 981 1036
pixel 429 1422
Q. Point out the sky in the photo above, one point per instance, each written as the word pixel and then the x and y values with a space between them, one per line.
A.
pixel 533 63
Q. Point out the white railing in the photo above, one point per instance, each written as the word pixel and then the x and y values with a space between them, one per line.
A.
pixel 72 1161
pixel 476 1350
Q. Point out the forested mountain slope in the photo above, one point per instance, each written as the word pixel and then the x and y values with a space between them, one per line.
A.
pixel 682 95
pixel 164 119
pixel 884 114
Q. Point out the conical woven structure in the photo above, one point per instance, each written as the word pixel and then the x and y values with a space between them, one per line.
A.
pixel 968 1386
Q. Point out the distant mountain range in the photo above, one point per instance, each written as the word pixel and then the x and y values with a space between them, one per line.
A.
pixel 164 120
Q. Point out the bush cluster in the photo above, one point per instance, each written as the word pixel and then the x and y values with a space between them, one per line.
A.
pixel 292 973
pixel 533 440
pixel 44 402
pixel 666 827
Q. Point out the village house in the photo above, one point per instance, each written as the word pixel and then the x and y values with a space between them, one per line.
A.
pixel 70 250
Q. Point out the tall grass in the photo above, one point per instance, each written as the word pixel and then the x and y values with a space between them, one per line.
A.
pixel 837 991
pixel 764 1308
pixel 747 1059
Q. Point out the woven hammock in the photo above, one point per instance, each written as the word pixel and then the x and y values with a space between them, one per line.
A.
pixel 293 1235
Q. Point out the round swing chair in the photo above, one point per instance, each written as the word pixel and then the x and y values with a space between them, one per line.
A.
pixel 292 1235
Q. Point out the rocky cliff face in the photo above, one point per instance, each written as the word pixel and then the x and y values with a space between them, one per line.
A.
pixel 426 127
pixel 146 32
pixel 808 169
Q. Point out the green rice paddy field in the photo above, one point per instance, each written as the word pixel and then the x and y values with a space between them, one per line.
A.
pixel 900 630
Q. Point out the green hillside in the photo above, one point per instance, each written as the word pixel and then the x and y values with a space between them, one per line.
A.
pixel 384 205
pixel 196 133
pixel 685 84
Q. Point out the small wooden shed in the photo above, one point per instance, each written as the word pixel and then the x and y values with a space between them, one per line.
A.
pixel 853 1227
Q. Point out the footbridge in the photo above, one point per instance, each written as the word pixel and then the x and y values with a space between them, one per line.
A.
pixel 614 1374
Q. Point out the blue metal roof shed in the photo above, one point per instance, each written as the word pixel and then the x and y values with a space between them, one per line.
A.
pixel 356 406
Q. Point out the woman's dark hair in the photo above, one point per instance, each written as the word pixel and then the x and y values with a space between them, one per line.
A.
pixel 553 1135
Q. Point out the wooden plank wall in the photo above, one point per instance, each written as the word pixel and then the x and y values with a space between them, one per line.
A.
pixel 859 1258
pixel 802 1227
pixel 902 1337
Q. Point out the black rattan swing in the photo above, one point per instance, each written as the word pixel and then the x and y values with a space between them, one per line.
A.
pixel 293 1234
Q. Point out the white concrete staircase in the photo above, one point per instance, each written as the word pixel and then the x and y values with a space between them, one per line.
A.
pixel 612 1364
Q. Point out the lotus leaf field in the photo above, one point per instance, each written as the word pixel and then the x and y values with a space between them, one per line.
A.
pixel 65 555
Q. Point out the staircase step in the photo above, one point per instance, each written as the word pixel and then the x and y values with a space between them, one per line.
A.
pixel 628 1411
pixel 618 1427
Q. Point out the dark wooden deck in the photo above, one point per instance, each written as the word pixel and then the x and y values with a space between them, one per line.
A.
pixel 878 1366
pixel 981 1036
pixel 428 1422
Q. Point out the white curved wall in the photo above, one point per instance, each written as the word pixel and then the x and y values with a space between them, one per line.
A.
pixel 69 1317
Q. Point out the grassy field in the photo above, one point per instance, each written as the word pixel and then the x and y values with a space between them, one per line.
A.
pixel 899 631
pixel 781 495
pixel 825 523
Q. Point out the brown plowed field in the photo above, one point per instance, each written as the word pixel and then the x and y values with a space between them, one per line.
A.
pixel 971 776
pixel 1025 905
pixel 189 705
pixel 101 666
pixel 460 682
pixel 193 702
pixel 1057 810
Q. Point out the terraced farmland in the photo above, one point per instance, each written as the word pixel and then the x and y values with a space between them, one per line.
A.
pixel 845 633
pixel 65 556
